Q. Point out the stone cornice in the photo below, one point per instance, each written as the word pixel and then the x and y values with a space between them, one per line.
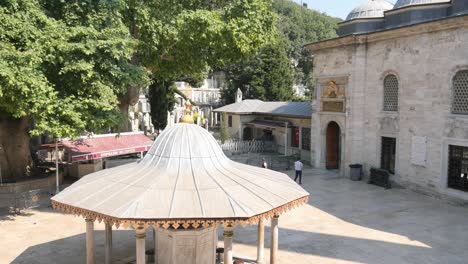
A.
pixel 400 32
pixel 417 7
pixel 356 20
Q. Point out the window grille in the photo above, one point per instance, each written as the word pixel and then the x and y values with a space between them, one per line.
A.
pixel 387 156
pixel 305 138
pixel 390 93
pixel 458 168
pixel 460 93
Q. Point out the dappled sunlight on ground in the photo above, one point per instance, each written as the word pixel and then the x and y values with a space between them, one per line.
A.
pixel 344 222
pixel 338 227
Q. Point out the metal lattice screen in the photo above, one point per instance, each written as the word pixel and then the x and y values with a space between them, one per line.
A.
pixel 460 93
pixel 458 168
pixel 306 138
pixel 390 93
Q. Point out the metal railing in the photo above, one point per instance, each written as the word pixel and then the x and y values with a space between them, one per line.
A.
pixel 273 162
pixel 248 146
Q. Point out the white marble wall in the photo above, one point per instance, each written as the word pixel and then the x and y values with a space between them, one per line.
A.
pixel 424 62
pixel 186 246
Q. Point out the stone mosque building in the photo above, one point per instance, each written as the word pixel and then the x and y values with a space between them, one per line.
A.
pixel 392 93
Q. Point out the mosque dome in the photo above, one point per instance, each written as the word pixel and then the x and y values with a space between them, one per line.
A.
pixel 403 3
pixel 370 9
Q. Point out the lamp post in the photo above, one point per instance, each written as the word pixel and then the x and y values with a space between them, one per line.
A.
pixel 285 138
pixel 57 184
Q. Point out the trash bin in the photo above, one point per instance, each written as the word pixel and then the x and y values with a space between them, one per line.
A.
pixel 355 172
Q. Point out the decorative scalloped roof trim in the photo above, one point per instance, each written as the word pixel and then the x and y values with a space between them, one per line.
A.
pixel 177 223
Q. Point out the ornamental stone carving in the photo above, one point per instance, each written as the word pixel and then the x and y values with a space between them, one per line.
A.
pixel 456 129
pixel 333 94
pixel 389 124
pixel 333 91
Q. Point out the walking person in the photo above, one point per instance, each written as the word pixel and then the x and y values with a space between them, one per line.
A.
pixel 298 166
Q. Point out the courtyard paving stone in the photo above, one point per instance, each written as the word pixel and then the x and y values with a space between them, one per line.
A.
pixel 344 222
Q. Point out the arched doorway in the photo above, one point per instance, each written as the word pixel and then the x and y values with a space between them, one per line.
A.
pixel 333 146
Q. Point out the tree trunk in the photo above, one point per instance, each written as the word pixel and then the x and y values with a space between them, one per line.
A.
pixel 130 98
pixel 15 155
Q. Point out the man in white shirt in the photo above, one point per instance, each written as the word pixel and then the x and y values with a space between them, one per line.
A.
pixel 298 166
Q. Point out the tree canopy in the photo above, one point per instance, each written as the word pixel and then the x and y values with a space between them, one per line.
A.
pixel 65 65
pixel 266 76
pixel 301 25
pixel 183 39
pixel 296 26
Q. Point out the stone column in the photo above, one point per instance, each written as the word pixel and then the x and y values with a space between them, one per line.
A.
pixel 90 252
pixel 285 138
pixel 140 234
pixel 241 129
pixel 261 242
pixel 228 234
pixel 154 244
pixel 274 240
pixel 108 245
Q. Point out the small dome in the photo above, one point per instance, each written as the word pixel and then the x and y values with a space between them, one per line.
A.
pixel 403 3
pixel 184 141
pixel 371 9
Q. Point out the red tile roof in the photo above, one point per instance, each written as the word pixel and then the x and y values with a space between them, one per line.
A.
pixel 104 146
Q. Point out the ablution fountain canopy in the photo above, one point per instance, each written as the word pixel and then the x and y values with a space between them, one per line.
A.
pixel 185 187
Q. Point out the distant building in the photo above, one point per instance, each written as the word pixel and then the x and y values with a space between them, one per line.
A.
pixel 288 124
pixel 140 115
pixel 205 98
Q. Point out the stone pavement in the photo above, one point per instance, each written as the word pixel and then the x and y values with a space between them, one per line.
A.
pixel 345 222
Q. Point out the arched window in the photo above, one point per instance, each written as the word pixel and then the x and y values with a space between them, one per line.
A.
pixel 460 93
pixel 390 93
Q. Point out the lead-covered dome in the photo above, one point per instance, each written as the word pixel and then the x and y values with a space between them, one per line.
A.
pixel 403 3
pixel 184 179
pixel 370 9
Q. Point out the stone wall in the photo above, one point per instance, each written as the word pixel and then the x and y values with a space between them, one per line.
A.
pixel 424 58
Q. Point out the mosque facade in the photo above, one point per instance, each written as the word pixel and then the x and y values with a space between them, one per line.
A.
pixel 392 93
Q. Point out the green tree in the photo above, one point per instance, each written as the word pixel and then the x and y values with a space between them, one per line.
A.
pixel 297 26
pixel 162 101
pixel 268 75
pixel 68 66
pixel 300 26
pixel 62 66
pixel 183 39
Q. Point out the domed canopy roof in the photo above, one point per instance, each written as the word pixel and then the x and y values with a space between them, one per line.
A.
pixel 185 179
pixel 403 3
pixel 370 9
